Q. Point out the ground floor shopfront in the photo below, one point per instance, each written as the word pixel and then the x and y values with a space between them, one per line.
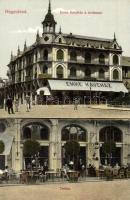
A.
pixel 52 134
pixel 66 91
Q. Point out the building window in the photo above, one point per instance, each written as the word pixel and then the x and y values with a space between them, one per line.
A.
pixel 73 132
pixel 45 54
pixel 60 55
pixel 87 57
pixel 115 60
pixel 73 72
pixel 36 131
pixel 44 133
pixel 35 73
pixel 109 152
pixel 45 69
pixel 101 59
pixel 87 73
pixel 60 41
pixel 115 46
pixel 2 127
pixel 126 73
pixel 26 133
pixel 110 133
pixel 59 72
pixel 115 74
pixel 73 55
pixel 101 74
pixel 35 57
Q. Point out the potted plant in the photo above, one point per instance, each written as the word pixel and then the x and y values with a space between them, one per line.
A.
pixel 31 147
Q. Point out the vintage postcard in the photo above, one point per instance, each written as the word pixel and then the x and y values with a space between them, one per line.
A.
pixel 64 99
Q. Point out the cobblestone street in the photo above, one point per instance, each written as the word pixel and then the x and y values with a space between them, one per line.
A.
pixel 67 111
pixel 106 190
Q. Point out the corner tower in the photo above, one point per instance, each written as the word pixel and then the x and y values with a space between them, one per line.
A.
pixel 49 22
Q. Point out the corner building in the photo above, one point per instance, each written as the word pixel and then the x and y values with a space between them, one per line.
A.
pixel 55 58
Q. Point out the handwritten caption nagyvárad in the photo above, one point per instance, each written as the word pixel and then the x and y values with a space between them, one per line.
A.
pixel 11 12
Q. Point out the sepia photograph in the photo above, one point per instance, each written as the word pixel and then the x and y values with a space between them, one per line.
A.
pixel 64 99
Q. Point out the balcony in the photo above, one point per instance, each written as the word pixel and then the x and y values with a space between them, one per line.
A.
pixel 28 78
pixel 43 60
pixel 92 62
pixel 44 76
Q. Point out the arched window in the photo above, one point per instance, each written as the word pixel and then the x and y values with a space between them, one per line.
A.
pixel 110 133
pixel 110 153
pixel 59 72
pixel 73 55
pixel 45 55
pixel 87 57
pixel 60 55
pixel 44 133
pixel 87 73
pixel 115 74
pixel 101 74
pixel 101 59
pixel 73 72
pixel 36 131
pixel 45 69
pixel 26 133
pixel 73 132
pixel 115 60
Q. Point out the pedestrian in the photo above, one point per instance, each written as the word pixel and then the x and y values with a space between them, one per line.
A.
pixel 28 103
pixel 76 101
pixel 9 105
pixel 83 170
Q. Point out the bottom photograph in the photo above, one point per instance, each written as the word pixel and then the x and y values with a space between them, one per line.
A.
pixel 69 149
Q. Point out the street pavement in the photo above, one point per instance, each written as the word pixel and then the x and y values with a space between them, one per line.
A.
pixel 105 190
pixel 67 111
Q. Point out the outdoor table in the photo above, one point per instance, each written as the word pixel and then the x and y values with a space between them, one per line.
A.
pixel 51 174
pixel 73 175
pixel 100 173
pixel 32 176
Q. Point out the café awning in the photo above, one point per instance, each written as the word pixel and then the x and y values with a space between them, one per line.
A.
pixel 43 89
pixel 75 85
pixel 7 140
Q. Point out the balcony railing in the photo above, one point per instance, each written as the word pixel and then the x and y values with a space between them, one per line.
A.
pixel 43 60
pixel 28 78
pixel 44 76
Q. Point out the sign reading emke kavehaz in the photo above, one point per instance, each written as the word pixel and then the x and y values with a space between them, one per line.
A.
pixel 87 85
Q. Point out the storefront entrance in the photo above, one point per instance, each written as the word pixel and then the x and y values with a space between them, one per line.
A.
pixel 109 152
pixel 75 134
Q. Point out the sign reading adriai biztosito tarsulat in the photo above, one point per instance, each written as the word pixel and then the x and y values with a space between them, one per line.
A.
pixel 87 86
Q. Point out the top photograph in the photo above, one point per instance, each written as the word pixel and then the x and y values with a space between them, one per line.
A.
pixel 65 59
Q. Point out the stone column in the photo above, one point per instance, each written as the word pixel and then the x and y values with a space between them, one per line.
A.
pixel 53 145
pixel 17 146
pixel 125 147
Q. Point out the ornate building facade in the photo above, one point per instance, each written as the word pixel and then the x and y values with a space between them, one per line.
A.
pixel 52 135
pixel 93 62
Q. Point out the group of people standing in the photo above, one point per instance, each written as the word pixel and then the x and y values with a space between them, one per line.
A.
pixel 9 104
